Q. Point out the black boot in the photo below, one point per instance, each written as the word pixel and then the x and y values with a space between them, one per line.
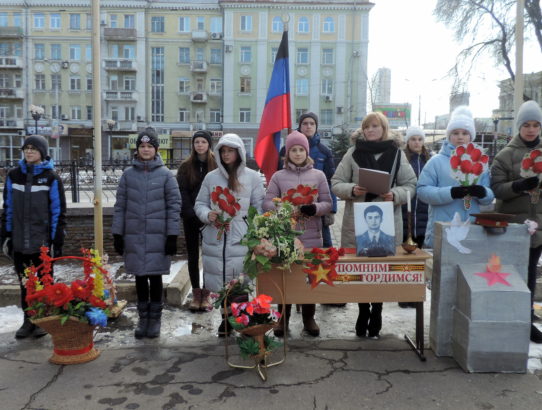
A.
pixel 363 319
pixel 25 330
pixel 375 321
pixel 536 334
pixel 224 329
pixel 143 324
pixel 284 321
pixel 309 324
pixel 39 332
pixel 155 319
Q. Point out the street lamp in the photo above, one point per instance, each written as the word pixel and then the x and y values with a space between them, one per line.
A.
pixel 36 111
pixel 111 124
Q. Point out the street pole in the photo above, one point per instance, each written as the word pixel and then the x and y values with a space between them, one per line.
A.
pixel 96 119
pixel 518 82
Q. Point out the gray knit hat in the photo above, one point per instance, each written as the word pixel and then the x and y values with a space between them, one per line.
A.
pixel 148 135
pixel 307 115
pixel 461 118
pixel 412 131
pixel 529 111
pixel 40 143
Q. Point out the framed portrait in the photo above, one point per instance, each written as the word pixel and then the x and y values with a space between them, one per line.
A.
pixel 374 228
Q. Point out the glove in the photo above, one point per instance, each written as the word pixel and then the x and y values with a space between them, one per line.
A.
pixel 171 245
pixel 477 190
pixel 7 246
pixel 309 210
pixel 118 244
pixel 525 184
pixel 459 192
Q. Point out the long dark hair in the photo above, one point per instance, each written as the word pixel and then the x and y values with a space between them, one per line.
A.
pixel 190 169
pixel 425 154
pixel 233 181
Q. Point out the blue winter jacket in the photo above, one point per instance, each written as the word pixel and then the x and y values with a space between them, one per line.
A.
pixel 323 161
pixel 434 187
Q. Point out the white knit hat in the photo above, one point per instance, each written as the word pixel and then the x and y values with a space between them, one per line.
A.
pixel 412 131
pixel 461 118
pixel 529 111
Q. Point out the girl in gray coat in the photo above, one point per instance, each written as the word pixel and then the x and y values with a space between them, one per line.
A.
pixel 146 222
pixel 223 255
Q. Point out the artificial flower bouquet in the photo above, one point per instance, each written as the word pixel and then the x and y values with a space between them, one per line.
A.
pixel 226 205
pixel 468 163
pixel 301 195
pixel 236 290
pixel 531 166
pixel 320 265
pixel 272 238
pixel 253 319
pixel 83 299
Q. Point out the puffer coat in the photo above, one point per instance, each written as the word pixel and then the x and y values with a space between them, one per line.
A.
pixel 290 177
pixel 223 259
pixel 347 176
pixel 504 171
pixel 147 210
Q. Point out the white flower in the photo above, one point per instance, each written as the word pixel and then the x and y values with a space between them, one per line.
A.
pixel 36 109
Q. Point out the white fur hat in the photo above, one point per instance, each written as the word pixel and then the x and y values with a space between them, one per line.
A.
pixel 412 131
pixel 461 118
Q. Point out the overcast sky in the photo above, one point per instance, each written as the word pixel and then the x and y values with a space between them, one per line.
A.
pixel 405 37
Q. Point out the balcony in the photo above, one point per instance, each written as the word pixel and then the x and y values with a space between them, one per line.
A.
pixel 11 94
pixel 127 125
pixel 200 35
pixel 120 96
pixel 120 34
pixel 199 97
pixel 11 32
pixel 120 64
pixel 198 66
pixel 11 123
pixel 11 62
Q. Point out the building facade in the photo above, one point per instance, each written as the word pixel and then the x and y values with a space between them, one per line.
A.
pixel 175 66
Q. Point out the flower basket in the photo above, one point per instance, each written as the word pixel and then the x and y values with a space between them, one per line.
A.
pixel 258 333
pixel 73 341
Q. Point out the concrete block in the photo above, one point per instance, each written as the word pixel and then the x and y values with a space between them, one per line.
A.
pixel 485 346
pixel 513 249
pixel 178 288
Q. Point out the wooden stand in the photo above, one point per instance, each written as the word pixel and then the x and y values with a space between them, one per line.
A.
pixel 398 278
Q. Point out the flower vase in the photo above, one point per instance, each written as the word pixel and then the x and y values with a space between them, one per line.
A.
pixel 535 195
pixel 73 341
pixel 467 202
pixel 258 332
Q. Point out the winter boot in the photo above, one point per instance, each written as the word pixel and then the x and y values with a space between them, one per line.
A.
pixel 536 334
pixel 363 319
pixel 284 321
pixel 205 304
pixel 25 330
pixel 39 332
pixel 143 324
pixel 196 300
pixel 155 319
pixel 309 324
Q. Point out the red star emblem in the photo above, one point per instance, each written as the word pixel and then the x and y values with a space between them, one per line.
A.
pixel 494 277
pixel 321 274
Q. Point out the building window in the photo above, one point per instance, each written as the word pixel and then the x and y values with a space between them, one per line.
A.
pixel 277 25
pixel 89 83
pixel 54 21
pixel 56 52
pixel 157 84
pixel 245 85
pixel 302 86
pixel 128 51
pixel 246 23
pixel 88 53
pixel 244 114
pixel 129 21
pixel 89 112
pixel 184 55
pixel 327 56
pixel 40 81
pixel 216 56
pixel 157 24
pixel 75 52
pixel 17 20
pixel 39 51
pixel 129 83
pixel 327 87
pixel 246 54
pixel 113 21
pixel 215 86
pixel 216 24
pixel 76 112
pixel 200 54
pixel 89 21
pixel 215 115
pixel 56 82
pixel 39 21
pixel 303 25
pixel 326 117
pixel 299 112
pixel 274 52
pixel 184 85
pixel 200 21
pixel 4 80
pixel 329 25
pixel 113 82
pixel 56 111
pixel 115 113
pixel 75 22
pixel 302 56
pixel 129 113
pixel 75 83
pixel 184 24
pixel 3 19
pixel 114 51
pixel 184 115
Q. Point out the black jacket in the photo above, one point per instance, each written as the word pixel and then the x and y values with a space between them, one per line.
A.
pixel 189 192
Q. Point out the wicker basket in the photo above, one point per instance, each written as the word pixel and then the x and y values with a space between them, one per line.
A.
pixel 73 342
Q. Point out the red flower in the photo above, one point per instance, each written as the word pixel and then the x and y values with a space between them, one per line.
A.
pixel 484 159
pixel 59 294
pixel 470 148
pixel 477 168
pixel 460 150
pixel 535 153
pixel 466 166
pixel 455 161
pixel 526 163
pixel 537 167
pixel 475 155
pixel 80 290
pixel 214 196
pixel 95 301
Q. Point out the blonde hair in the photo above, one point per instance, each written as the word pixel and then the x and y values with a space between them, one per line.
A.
pixel 378 117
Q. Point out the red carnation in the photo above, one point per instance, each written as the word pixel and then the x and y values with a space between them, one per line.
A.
pixel 80 290
pixel 455 161
pixel 222 204
pixel 306 190
pixel 460 150
pixel 214 196
pixel 218 189
pixel 59 294
pixel 477 168
pixel 526 163
pixel 466 166
pixel 535 153
pixel 537 167
pixel 470 148
pixel 484 159
pixel 475 155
